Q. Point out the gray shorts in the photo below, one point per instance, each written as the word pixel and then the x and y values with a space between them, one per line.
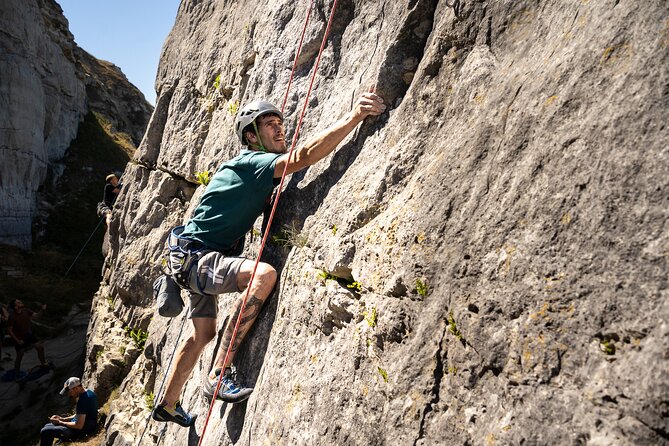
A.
pixel 215 274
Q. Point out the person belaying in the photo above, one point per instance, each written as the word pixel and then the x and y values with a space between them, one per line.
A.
pixel 19 327
pixel 207 262
pixel 83 422
pixel 112 189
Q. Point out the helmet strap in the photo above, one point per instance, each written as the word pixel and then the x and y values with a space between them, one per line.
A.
pixel 260 145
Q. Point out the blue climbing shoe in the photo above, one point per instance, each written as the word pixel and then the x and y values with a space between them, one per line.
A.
pixel 230 390
pixel 164 413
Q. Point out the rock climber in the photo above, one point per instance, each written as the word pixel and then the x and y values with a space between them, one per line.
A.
pixel 112 188
pixel 83 422
pixel 19 327
pixel 236 195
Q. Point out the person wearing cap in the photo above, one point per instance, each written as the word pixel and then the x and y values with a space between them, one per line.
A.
pixel 83 422
pixel 236 195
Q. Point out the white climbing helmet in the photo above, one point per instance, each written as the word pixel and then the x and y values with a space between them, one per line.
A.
pixel 249 113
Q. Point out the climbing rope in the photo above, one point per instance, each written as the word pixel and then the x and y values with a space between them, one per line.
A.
pixel 84 247
pixel 271 216
pixel 297 55
pixel 157 397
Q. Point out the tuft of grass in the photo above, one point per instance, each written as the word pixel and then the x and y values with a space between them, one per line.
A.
pixel 422 288
pixel 290 235
pixel 355 286
pixel 99 354
pixel 203 177
pixel 453 328
pixel 217 82
pixel 110 303
pixel 106 408
pixel 148 400
pixel 233 107
pixel 324 275
pixel 607 347
pixel 334 229
pixel 121 350
pixel 370 317
pixel 383 374
pixel 138 337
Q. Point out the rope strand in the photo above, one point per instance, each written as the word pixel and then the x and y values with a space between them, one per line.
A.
pixel 84 247
pixel 299 50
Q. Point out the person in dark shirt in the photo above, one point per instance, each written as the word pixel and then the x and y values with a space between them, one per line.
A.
pixel 20 330
pixel 112 188
pixel 83 422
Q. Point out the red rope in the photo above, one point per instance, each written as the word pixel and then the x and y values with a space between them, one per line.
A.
pixel 299 50
pixel 271 217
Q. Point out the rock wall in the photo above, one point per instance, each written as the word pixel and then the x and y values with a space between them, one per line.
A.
pixel 505 222
pixel 47 86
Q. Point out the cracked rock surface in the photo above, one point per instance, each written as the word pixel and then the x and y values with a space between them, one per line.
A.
pixel 486 263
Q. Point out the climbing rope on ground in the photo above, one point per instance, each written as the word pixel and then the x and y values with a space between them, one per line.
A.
pixel 159 395
pixel 271 216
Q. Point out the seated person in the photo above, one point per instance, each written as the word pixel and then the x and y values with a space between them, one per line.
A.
pixel 84 422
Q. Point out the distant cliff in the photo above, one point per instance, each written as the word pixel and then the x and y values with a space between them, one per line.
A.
pixel 507 223
pixel 48 84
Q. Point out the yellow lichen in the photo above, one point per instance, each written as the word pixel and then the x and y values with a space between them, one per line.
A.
pixel 550 100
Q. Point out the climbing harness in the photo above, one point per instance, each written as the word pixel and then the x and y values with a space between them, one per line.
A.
pixel 271 217
pixel 184 253
pixel 182 256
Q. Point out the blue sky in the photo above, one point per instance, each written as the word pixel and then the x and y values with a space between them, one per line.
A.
pixel 128 33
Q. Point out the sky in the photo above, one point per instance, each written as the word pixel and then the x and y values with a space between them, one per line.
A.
pixel 128 33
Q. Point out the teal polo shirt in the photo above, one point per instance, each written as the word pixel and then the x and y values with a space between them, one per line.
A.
pixel 236 195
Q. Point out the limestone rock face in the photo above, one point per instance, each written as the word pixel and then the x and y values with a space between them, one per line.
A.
pixel 42 103
pixel 47 85
pixel 505 223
